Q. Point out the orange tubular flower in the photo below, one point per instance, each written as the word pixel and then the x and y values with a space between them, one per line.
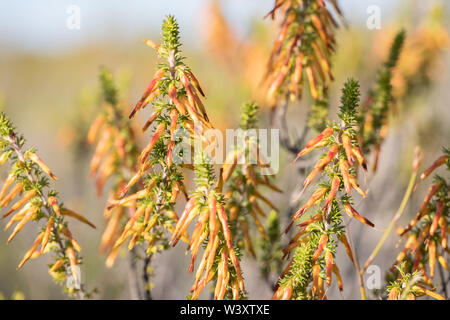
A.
pixel 354 214
pixel 393 294
pixel 304 44
pixel 427 232
pixel 73 242
pixel 101 149
pixel 315 143
pixel 342 238
pixel 95 128
pixel 439 162
pixel 312 82
pixel 355 186
pixel 318 237
pixel 432 257
pixel 27 217
pixel 47 233
pixel 53 202
pixel 30 252
pixel 151 44
pixel 334 189
pixel 27 197
pixel 439 211
pixel 193 98
pixel 17 189
pixel 315 198
pixel 73 261
pixel 151 118
pixel 356 151
pixel 329 266
pixel 424 207
pixel 347 144
pixel 343 167
pixel 73 214
pixel 35 158
pixel 297 77
pixel 322 243
pixel 158 75
pixel 8 182
pixel 145 153
pixel 173 96
pixel 320 165
pixel 338 277
pixel 315 272
pixel 443 227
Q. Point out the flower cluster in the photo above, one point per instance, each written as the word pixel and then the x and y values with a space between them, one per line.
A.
pixel 115 155
pixel 220 260
pixel 174 94
pixel 116 149
pixel 409 286
pixel 28 179
pixel 302 49
pixel 319 234
pixel 221 43
pixel 426 234
pixel 243 180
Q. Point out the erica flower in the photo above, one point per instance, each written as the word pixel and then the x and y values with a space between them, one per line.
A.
pixel 302 50
pixel 206 205
pixel 244 181
pixel 426 234
pixel 409 286
pixel 28 182
pixel 116 148
pixel 343 150
pixel 318 236
pixel 175 96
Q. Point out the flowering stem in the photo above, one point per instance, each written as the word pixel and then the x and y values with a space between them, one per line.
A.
pixel 48 209
pixel 397 216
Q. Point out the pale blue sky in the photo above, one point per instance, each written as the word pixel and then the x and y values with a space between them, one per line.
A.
pixel 40 25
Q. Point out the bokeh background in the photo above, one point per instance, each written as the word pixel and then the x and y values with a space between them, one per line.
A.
pixel 49 88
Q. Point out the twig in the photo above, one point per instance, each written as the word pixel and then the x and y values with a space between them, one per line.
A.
pixel 132 276
pixel 281 122
pixel 146 278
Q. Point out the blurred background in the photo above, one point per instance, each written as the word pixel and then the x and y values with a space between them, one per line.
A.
pixel 49 89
